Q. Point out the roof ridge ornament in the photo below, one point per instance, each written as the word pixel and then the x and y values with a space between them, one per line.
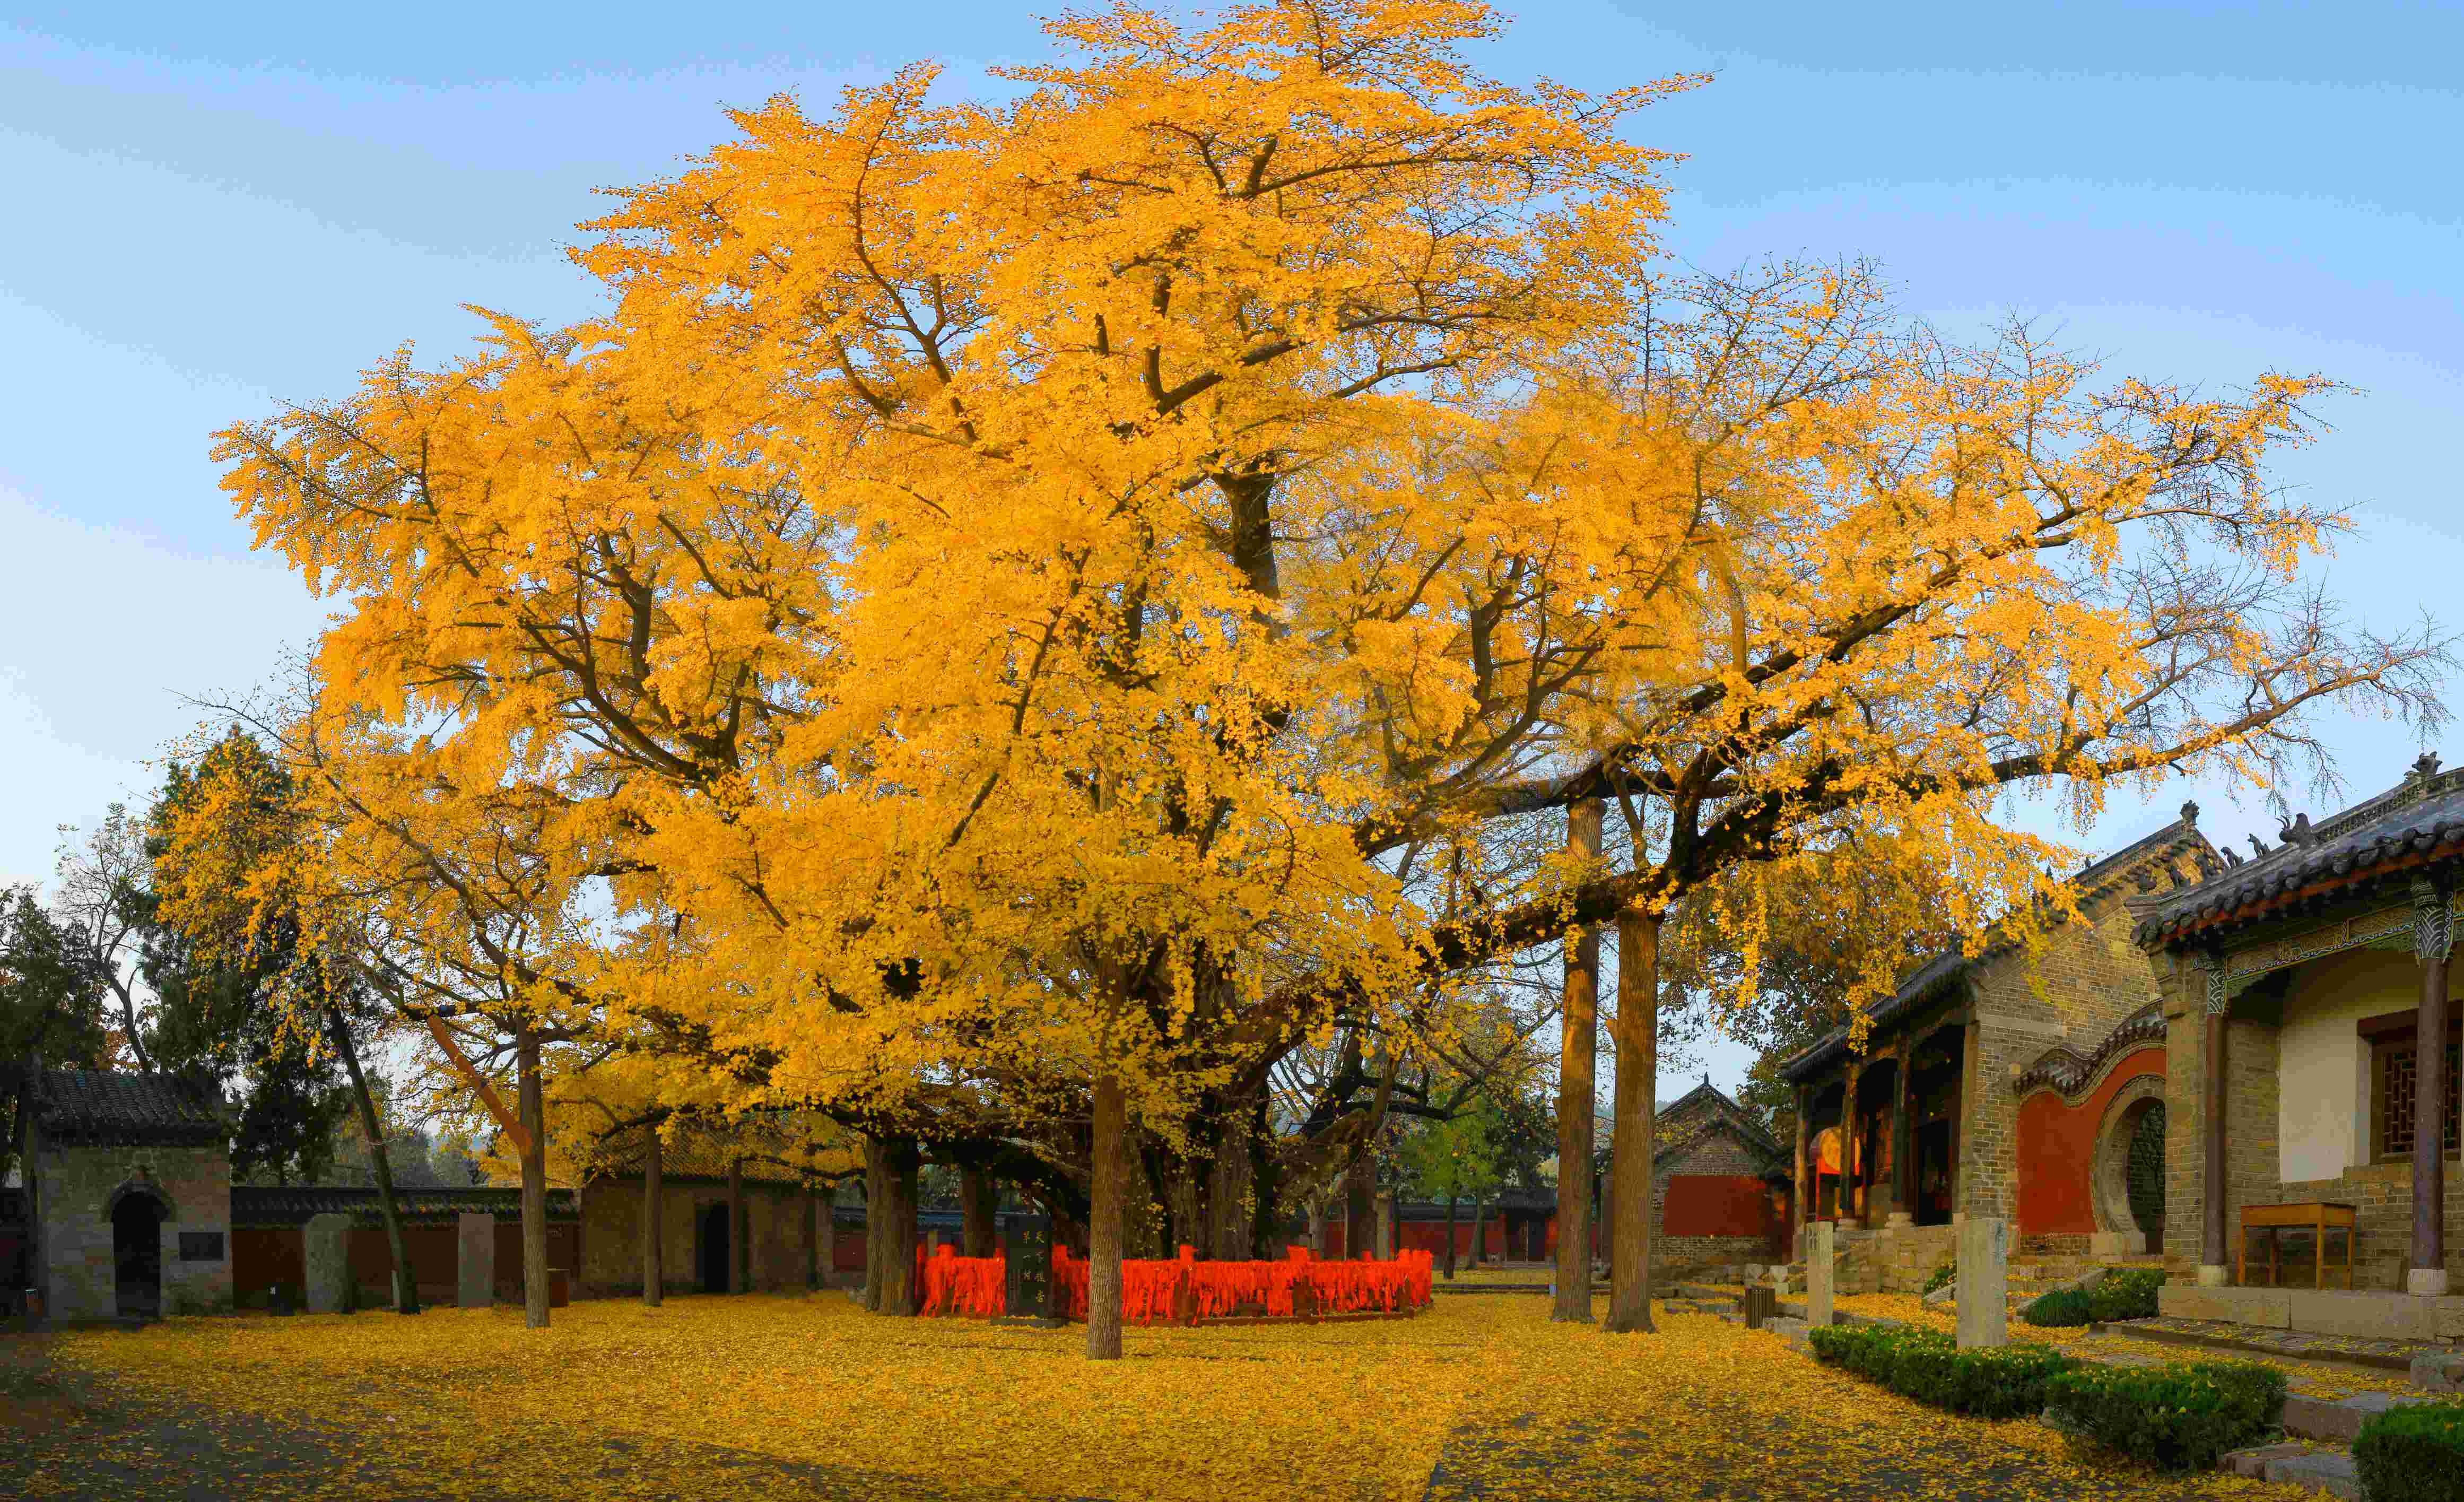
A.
pixel 2297 831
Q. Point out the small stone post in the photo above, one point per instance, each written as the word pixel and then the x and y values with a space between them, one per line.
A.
pixel 1817 1275
pixel 476 1278
pixel 327 1243
pixel 1984 1281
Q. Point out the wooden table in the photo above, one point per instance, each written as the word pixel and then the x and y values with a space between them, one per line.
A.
pixel 2319 1218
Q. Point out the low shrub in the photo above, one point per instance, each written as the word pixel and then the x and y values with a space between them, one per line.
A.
pixel 2180 1416
pixel 2127 1294
pixel 1942 1276
pixel 2061 1307
pixel 1994 1382
pixel 2413 1454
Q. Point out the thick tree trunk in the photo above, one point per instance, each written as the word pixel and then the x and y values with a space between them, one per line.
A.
pixel 1104 1218
pixel 978 1201
pixel 740 1247
pixel 876 1170
pixel 1577 1072
pixel 1188 1214
pixel 534 1120
pixel 1631 1142
pixel 405 1284
pixel 654 1272
pixel 1227 1196
pixel 889 1223
pixel 1359 1208
pixel 1450 1238
pixel 814 1221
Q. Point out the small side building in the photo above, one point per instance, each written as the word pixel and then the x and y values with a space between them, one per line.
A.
pixel 1719 1186
pixel 127 1203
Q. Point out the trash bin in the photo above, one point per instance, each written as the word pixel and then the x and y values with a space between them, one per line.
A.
pixel 1761 1303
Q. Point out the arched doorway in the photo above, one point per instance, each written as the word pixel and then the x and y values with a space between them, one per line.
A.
pixel 137 1256
pixel 2129 1170
pixel 710 1248
pixel 2146 1186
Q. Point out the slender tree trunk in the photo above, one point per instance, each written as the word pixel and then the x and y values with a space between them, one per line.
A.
pixel 1577 1075
pixel 1638 1069
pixel 654 1272
pixel 406 1284
pixel 1450 1238
pixel 1104 1219
pixel 978 1201
pixel 1389 1231
pixel 1479 1231
pixel 534 1118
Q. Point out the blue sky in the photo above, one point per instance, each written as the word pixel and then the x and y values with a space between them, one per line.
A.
pixel 214 208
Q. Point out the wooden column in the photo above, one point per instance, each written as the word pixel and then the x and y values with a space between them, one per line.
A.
pixel 2213 1241
pixel 1804 1206
pixel 2431 938
pixel 1903 1137
pixel 1850 1209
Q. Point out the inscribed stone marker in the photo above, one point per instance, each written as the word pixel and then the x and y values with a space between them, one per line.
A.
pixel 1817 1276
pixel 327 1243
pixel 1984 1282
pixel 1026 1252
pixel 475 1284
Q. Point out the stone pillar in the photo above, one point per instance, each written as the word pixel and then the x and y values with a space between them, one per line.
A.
pixel 654 1272
pixel 2216 1268
pixel 1984 1281
pixel 1819 1253
pixel 1851 1208
pixel 327 1243
pixel 1963 1156
pixel 475 1279
pixel 1903 1156
pixel 2432 938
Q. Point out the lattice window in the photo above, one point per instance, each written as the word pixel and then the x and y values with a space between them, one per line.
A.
pixel 2398 1066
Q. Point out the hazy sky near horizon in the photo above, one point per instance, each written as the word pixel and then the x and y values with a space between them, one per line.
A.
pixel 215 209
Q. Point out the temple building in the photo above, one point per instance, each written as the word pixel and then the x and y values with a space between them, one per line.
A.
pixel 1998 1084
pixel 2311 1054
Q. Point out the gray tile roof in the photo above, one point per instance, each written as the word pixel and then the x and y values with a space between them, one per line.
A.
pixel 2418 820
pixel 1930 979
pixel 107 1107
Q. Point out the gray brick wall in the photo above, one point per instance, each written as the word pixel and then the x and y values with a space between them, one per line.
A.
pixel 75 1266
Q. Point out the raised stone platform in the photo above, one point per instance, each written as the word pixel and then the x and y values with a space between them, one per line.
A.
pixel 2357 1315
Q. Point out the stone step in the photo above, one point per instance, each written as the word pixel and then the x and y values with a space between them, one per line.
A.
pixel 2330 1471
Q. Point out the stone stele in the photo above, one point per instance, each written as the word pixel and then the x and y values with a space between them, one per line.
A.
pixel 1819 1265
pixel 1984 1281
pixel 474 1284
pixel 327 1243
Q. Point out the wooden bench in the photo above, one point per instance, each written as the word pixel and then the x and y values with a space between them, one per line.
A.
pixel 2317 1217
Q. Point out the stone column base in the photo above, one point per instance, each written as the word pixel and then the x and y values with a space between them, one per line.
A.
pixel 2427 1282
pixel 2211 1275
pixel 2118 1243
pixel 1897 1219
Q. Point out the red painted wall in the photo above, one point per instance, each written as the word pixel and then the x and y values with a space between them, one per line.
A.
pixel 1715 1205
pixel 2057 1150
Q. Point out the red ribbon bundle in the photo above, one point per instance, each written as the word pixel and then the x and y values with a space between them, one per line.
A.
pixel 1151 1290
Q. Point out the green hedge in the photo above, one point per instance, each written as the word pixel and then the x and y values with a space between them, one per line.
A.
pixel 2413 1454
pixel 2062 1306
pixel 2180 1416
pixel 1942 1276
pixel 1993 1382
pixel 2128 1294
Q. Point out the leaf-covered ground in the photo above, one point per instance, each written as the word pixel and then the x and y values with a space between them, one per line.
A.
pixel 794 1397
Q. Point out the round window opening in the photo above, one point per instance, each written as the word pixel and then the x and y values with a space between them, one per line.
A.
pixel 2144 1184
